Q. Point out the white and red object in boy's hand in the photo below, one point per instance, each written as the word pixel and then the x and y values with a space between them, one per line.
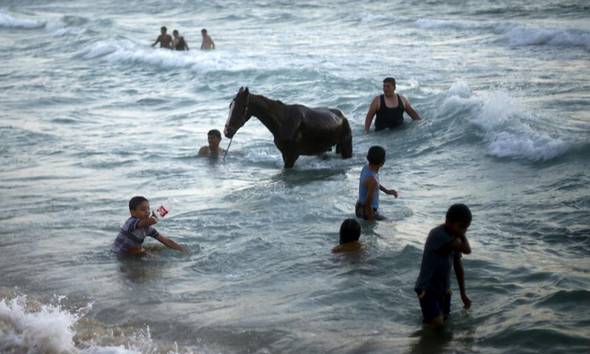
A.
pixel 160 212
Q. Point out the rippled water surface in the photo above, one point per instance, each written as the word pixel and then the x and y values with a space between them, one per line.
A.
pixel 91 115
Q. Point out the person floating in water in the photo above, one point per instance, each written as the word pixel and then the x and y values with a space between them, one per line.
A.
pixel 367 206
pixel 178 42
pixel 207 43
pixel 350 232
pixel 137 228
pixel 389 108
pixel 213 149
pixel 164 39
pixel 443 250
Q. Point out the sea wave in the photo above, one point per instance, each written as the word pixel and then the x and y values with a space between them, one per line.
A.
pixel 8 21
pixel 515 34
pixel 518 35
pixel 47 329
pixel 27 326
pixel 427 23
pixel 128 52
pixel 506 127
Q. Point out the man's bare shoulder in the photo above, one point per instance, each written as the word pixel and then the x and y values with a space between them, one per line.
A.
pixel 204 151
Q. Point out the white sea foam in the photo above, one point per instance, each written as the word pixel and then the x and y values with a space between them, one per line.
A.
pixel 516 34
pixel 29 327
pixel 47 330
pixel 8 21
pixel 128 52
pixel 427 23
pixel 557 37
pixel 506 127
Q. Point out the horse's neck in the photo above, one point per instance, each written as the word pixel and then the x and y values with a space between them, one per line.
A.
pixel 267 111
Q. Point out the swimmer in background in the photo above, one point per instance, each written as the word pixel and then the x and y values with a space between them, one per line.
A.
pixel 213 149
pixel 130 239
pixel 350 232
pixel 164 39
pixel 207 43
pixel 178 43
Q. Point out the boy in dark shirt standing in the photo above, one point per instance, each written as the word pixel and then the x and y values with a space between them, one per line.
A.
pixel 443 249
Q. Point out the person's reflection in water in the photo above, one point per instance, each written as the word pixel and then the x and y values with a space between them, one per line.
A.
pixel 143 267
pixel 431 340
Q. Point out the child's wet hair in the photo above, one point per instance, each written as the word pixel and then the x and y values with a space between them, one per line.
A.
pixel 376 155
pixel 350 231
pixel 215 132
pixel 136 201
pixel 459 213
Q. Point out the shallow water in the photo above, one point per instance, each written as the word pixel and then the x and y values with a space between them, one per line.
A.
pixel 91 116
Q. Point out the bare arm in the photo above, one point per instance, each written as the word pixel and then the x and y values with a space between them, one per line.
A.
pixel 460 273
pixel 371 183
pixel 204 151
pixel 463 246
pixel 169 243
pixel 459 244
pixel 388 191
pixel 212 43
pixel 373 108
pixel 146 222
pixel 411 111
pixel 157 41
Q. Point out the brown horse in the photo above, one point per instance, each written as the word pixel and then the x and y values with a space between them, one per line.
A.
pixel 297 130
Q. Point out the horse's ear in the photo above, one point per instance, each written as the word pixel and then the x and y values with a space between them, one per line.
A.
pixel 247 91
pixel 241 89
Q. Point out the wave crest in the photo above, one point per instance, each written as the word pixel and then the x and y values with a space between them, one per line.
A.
pixel 515 34
pixel 506 128
pixel 7 21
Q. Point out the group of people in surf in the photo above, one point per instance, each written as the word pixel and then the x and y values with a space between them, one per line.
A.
pixel 445 243
pixel 177 42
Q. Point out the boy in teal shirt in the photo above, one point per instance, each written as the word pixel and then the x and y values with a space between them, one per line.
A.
pixel 367 206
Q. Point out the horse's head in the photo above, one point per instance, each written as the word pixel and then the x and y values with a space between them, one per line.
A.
pixel 238 112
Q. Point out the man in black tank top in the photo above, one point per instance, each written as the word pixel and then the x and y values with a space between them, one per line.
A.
pixel 389 108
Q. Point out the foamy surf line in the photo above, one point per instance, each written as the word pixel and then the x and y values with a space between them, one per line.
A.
pixel 507 129
pixel 127 52
pixel 515 34
pixel 8 21
pixel 30 327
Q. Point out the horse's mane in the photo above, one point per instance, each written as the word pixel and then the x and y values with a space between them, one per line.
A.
pixel 271 101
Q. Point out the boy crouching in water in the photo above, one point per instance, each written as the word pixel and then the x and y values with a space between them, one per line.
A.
pixel 137 227
pixel 350 232
pixel 443 249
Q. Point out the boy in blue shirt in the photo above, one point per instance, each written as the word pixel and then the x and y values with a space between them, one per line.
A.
pixel 137 228
pixel 443 249
pixel 367 206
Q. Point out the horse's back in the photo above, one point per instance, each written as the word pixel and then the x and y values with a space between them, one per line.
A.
pixel 321 118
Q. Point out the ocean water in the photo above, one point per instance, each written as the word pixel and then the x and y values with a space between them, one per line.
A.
pixel 90 115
